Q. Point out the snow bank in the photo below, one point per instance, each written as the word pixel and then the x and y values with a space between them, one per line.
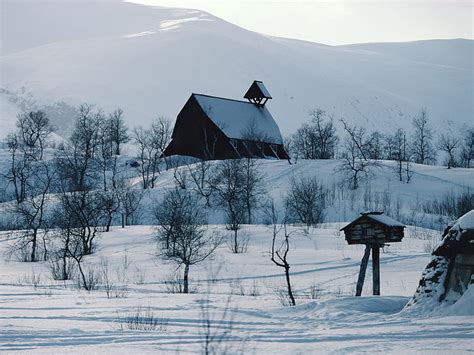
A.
pixel 464 306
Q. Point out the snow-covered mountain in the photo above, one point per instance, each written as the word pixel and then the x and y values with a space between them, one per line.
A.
pixel 148 60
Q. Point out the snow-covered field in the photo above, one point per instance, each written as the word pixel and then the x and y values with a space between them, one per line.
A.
pixel 238 293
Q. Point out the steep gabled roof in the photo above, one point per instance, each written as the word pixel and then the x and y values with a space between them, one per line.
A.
pixel 240 119
pixel 257 89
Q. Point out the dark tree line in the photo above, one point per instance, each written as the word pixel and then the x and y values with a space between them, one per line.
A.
pixel 360 150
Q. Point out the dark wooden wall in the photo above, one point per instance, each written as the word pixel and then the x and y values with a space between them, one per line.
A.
pixel 356 233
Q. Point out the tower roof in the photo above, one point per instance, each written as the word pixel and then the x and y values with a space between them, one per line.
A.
pixel 257 91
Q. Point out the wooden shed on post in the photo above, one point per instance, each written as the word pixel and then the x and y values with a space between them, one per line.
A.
pixel 373 229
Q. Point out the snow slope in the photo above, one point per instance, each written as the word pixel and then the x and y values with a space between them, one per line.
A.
pixel 148 61
pixel 381 191
pixel 56 318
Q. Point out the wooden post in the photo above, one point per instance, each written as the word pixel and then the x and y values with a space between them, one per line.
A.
pixel 376 269
pixel 123 220
pixel 363 268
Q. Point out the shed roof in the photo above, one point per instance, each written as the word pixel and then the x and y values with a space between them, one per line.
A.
pixel 240 119
pixel 377 217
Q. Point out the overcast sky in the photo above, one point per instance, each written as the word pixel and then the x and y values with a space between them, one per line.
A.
pixel 342 22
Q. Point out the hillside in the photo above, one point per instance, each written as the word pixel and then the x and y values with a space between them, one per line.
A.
pixel 148 60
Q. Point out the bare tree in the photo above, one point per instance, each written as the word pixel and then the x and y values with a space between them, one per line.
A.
pixel 305 201
pixel 130 200
pixel 227 182
pixel 110 205
pixel 401 154
pixel 316 140
pixel 31 214
pixel 181 220
pixel 253 188
pixel 161 134
pixel 279 254
pixel 199 174
pixel 64 245
pixel 355 162
pixel 449 143
pixel 145 156
pixel 151 146
pixel 20 168
pixel 467 148
pixel 181 176
pixel 77 163
pixel 105 155
pixel 85 211
pixel 423 152
pixel 34 128
pixel 118 130
pixel 376 146
pixel 389 147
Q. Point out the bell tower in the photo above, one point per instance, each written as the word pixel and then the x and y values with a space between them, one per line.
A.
pixel 257 94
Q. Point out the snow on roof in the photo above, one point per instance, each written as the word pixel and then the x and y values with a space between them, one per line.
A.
pixel 377 217
pixel 466 221
pixel 240 119
pixel 263 89
pixel 385 220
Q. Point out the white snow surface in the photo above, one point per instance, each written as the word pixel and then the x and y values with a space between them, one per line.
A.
pixel 240 119
pixel 148 60
pixel 386 220
pixel 466 221
pixel 55 317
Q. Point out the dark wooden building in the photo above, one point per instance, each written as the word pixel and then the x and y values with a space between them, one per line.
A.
pixel 210 127
pixel 373 228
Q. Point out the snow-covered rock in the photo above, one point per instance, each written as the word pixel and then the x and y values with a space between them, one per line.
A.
pixel 442 283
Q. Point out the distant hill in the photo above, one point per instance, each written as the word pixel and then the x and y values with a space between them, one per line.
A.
pixel 148 60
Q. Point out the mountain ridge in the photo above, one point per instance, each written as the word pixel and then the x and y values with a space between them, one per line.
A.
pixel 152 66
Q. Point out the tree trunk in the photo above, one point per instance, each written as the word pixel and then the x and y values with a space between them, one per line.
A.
pixel 290 292
pixel 376 270
pixel 185 279
pixel 33 247
pixel 65 276
pixel 104 177
pixel 84 281
pixel 249 212
pixel 45 249
pixel 109 222
pixel 236 242
pixel 363 268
